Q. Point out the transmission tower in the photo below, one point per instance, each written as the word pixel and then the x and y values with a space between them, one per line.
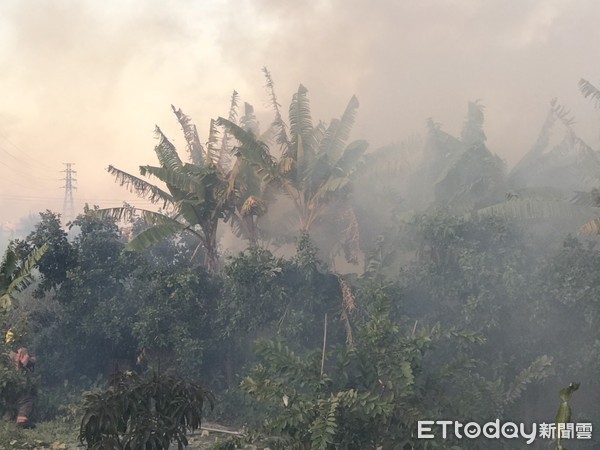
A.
pixel 68 209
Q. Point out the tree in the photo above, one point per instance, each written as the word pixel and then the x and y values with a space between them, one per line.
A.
pixel 197 195
pixel 91 323
pixel 268 296
pixel 315 166
pixel 58 259
pixel 591 227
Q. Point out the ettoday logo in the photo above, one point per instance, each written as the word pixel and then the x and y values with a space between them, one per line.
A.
pixel 430 429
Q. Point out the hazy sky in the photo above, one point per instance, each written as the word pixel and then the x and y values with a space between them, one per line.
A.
pixel 85 81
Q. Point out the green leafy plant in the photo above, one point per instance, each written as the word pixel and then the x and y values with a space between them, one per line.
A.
pixel 15 273
pixel 360 396
pixel 143 412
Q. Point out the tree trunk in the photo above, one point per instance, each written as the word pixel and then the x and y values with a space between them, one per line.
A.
pixel 211 260
pixel 229 369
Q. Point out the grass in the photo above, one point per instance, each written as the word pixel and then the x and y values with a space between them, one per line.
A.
pixel 54 435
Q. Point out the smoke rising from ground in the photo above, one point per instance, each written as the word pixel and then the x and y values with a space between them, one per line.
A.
pixel 85 82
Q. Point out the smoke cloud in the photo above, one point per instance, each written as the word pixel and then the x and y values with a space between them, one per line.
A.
pixel 85 82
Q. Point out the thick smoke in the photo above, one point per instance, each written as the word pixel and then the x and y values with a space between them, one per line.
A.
pixel 85 82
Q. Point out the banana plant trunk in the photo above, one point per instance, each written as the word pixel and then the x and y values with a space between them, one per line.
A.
pixel 211 259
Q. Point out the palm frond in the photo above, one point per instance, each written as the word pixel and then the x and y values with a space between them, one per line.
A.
pixel 525 209
pixel 119 214
pixel 300 161
pixel 141 187
pixel 392 160
pixel 235 98
pixel 584 198
pixel 472 132
pixel 180 180
pixel 252 150
pixel 248 120
pixel 326 141
pixel 278 124
pixel 561 113
pixel 233 176
pixel 544 137
pixel 195 211
pixel 190 132
pixel 579 145
pixel 538 370
pixel 518 173
pixel 127 213
pixel 351 156
pixel 341 132
pixel 332 186
pixel 233 117
pixel 317 171
pixel 166 152
pixel 22 278
pixel 589 90
pixel 15 275
pixel 154 235
pixel 319 132
pixel 213 152
pixel 238 226
pixel 161 225
pixel 10 263
pixel 301 128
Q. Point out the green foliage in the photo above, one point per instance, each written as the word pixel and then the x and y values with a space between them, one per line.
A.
pixel 472 276
pixel 166 322
pixel 59 257
pixel 266 296
pixel 255 296
pixel 147 412
pixel 367 397
pixel 537 371
pixel 15 272
pixel 12 384
pixel 88 311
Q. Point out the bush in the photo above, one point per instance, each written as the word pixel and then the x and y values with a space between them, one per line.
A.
pixel 143 412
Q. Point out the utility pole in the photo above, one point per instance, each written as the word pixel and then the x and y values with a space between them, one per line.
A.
pixel 68 208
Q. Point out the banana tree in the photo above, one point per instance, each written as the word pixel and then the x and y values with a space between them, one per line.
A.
pixel 314 166
pixel 250 196
pixel 591 91
pixel 195 198
pixel 550 185
pixel 15 273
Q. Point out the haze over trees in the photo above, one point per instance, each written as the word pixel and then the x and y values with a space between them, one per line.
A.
pixel 467 292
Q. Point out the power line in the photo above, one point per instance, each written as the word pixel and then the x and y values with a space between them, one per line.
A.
pixel 87 199
pixel 42 166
